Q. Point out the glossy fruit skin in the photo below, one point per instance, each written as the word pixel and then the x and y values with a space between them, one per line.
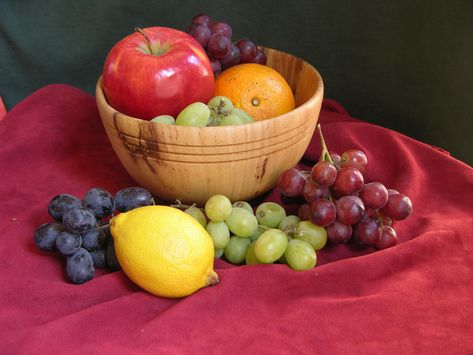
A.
pixel 143 85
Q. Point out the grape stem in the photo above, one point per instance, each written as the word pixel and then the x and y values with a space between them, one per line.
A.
pixel 178 204
pixel 325 155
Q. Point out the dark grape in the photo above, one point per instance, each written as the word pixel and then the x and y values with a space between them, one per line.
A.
pixel 79 220
pixel 216 66
pixel 231 59
pixel 112 261
pixel 366 232
pixel 260 58
pixel 248 50
pixel 45 236
pixel 350 209
pixel 387 239
pixel 322 212
pixel 202 19
pixel 398 207
pixel 291 182
pixel 338 232
pixel 324 173
pixel 354 158
pixel 68 243
pixel 374 195
pixel 99 201
pixel 98 258
pixel 312 191
pixel 132 197
pixel 201 33
pixel 348 182
pixel 94 239
pixel 219 46
pixel 59 204
pixel 304 212
pixel 80 267
pixel 222 28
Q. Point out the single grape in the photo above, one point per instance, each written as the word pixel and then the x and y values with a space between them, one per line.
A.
pixel 324 173
pixel 322 212
pixel 270 246
pixel 260 230
pixel 94 239
pixel 80 267
pixel 338 232
pixel 350 209
pixel 312 191
pixel 219 46
pixel 165 119
pixel 243 115
pixel 300 255
pixel 201 33
pixel 312 234
pixel 45 236
pixel 241 222
pixel 132 197
pixel 219 233
pixel 236 249
pixel 291 182
pixel 202 19
pixel 260 58
pixel 289 223
pixel 374 195
pixel 220 105
pixel 68 243
pixel 243 204
pixel 216 66
pixel 195 115
pixel 100 202
pixel 248 50
pixel 354 158
pixel 79 220
pixel 218 208
pixel 387 239
pixel 270 214
pixel 59 204
pixel 349 181
pixel 251 258
pixel 232 120
pixel 231 59
pixel 336 158
pixel 366 232
pixel 222 28
pixel 98 258
pixel 398 207
pixel 111 256
pixel 304 212
pixel 392 192
pixel 218 253
pixel 198 215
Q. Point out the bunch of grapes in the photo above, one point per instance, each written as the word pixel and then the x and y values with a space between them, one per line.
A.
pixel 80 230
pixel 219 111
pixel 263 236
pixel 216 38
pixel 337 198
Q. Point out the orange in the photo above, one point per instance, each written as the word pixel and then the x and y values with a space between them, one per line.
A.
pixel 257 89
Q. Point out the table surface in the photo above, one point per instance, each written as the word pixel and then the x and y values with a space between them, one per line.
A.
pixel 415 297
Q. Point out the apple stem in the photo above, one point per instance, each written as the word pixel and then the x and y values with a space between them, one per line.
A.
pixel 148 41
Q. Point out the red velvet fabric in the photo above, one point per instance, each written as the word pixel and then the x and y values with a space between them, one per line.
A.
pixel 414 298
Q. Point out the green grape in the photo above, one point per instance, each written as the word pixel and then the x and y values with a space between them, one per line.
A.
pixel 289 223
pixel 218 253
pixel 270 214
pixel 236 249
pixel 243 204
pixel 311 233
pixel 196 114
pixel 219 106
pixel 258 233
pixel 197 213
pixel 218 208
pixel 166 119
pixel 231 120
pixel 300 255
pixel 219 233
pixel 243 114
pixel 270 245
pixel 251 258
pixel 242 222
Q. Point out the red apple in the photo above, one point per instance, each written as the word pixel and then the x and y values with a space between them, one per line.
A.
pixel 157 71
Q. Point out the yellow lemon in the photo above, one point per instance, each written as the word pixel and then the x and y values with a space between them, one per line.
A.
pixel 164 250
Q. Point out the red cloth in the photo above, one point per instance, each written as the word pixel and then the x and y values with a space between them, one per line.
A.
pixel 414 298
pixel 3 110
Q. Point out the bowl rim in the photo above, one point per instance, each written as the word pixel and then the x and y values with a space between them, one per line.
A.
pixel 319 92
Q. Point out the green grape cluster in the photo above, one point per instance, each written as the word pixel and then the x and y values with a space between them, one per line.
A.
pixel 266 235
pixel 219 111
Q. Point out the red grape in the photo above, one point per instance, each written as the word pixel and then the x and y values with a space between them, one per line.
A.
pixel 322 212
pixel 223 28
pixel 260 58
pixel 201 33
pixel 354 158
pixel 304 212
pixel 248 50
pixel 374 195
pixel 338 232
pixel 218 46
pixel 216 66
pixel 291 182
pixel 324 173
pixel 366 232
pixel 387 239
pixel 202 19
pixel 350 209
pixel 231 59
pixel 335 159
pixel 313 192
pixel 348 182
pixel 398 207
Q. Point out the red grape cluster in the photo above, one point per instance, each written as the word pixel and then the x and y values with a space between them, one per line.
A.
pixel 337 197
pixel 216 38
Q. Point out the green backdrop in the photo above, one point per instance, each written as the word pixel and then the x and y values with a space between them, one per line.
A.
pixel 405 65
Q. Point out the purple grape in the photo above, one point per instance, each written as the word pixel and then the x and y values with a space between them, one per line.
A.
pixel 59 204
pixel 45 236
pixel 312 191
pixel 98 258
pixel 366 232
pixel 216 66
pixel 248 50
pixel 222 28
pixel 350 209
pixel 100 202
pixel 79 220
pixel 338 232
pixel 324 173
pixel 131 198
pixel 231 59
pixel 219 46
pixel 354 158
pixel 260 58
pixel 202 19
pixel 68 243
pixel 348 182
pixel 94 239
pixel 374 195
pixel 202 34
pixel 387 239
pixel 111 256
pixel 322 212
pixel 291 182
pixel 80 267
pixel 398 207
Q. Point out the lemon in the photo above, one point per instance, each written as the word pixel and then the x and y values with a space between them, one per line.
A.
pixel 164 250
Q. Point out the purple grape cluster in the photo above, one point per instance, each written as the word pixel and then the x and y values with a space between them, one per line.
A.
pixel 216 38
pixel 336 196
pixel 80 229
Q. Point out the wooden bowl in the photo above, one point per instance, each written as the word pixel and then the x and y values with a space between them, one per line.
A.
pixel 242 162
